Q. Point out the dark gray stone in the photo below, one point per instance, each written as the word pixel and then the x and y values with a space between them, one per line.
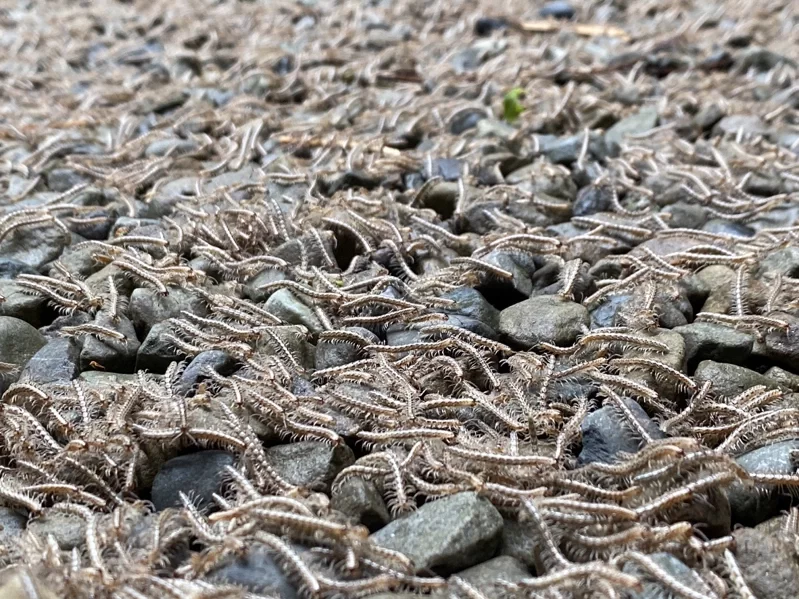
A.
pixel 56 362
pixel 543 318
pixel 147 307
pixel 111 354
pixel 62 179
pixel 12 525
pixel 216 360
pixel 18 304
pixel 19 342
pixel 333 352
pixel 730 380
pixel 484 577
pixel 640 122
pixel 708 341
pixel 157 352
pixel 652 589
pixel 360 500
pixel 470 302
pixel 446 535
pixel 751 505
pixel 606 433
pixel 310 464
pixel 199 475
pixel 784 262
pixel 466 119
pixel 768 563
pixel 284 304
pixel 252 289
pixel 724 227
pixel 34 246
pixel 258 572
pixel 557 9
pixel 592 199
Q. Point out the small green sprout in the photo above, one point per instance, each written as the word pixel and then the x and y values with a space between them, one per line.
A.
pixel 511 105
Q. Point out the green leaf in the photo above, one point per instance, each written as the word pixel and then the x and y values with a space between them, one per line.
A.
pixel 511 104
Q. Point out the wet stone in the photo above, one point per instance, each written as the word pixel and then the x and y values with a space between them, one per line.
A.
pixel 258 572
pixel 730 380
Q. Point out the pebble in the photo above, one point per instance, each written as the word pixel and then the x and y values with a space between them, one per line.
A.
pixel 709 341
pixel 199 475
pixel 12 525
pixel 471 303
pixel 750 505
pixel 768 563
pixel 34 247
pixel 640 122
pixel 783 378
pixel 157 352
pixel 111 354
pixel 557 9
pixel 446 535
pixel 56 362
pixel 284 304
pixel 219 361
pixel 543 318
pixel 360 500
pixel 606 433
pixel 784 262
pixel 19 342
pixel 256 571
pixel 487 25
pixel 749 125
pixel 25 306
pixel 730 380
pixel 69 530
pixel 484 577
pixel 592 199
pixel 333 352
pixel 466 120
pixel 310 464
pixel 147 307
pixel 653 589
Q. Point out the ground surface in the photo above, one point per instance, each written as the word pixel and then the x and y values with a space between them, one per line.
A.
pixel 387 299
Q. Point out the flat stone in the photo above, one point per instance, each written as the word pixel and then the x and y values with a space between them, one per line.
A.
pixel 310 464
pixel 606 433
pixel 768 563
pixel 56 362
pixel 199 475
pixel 640 122
pixel 284 304
pixel 147 307
pixel 730 380
pixel 446 535
pixel 543 318
pixel 709 341
pixel 256 571
pixel 360 500
pixel 750 505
